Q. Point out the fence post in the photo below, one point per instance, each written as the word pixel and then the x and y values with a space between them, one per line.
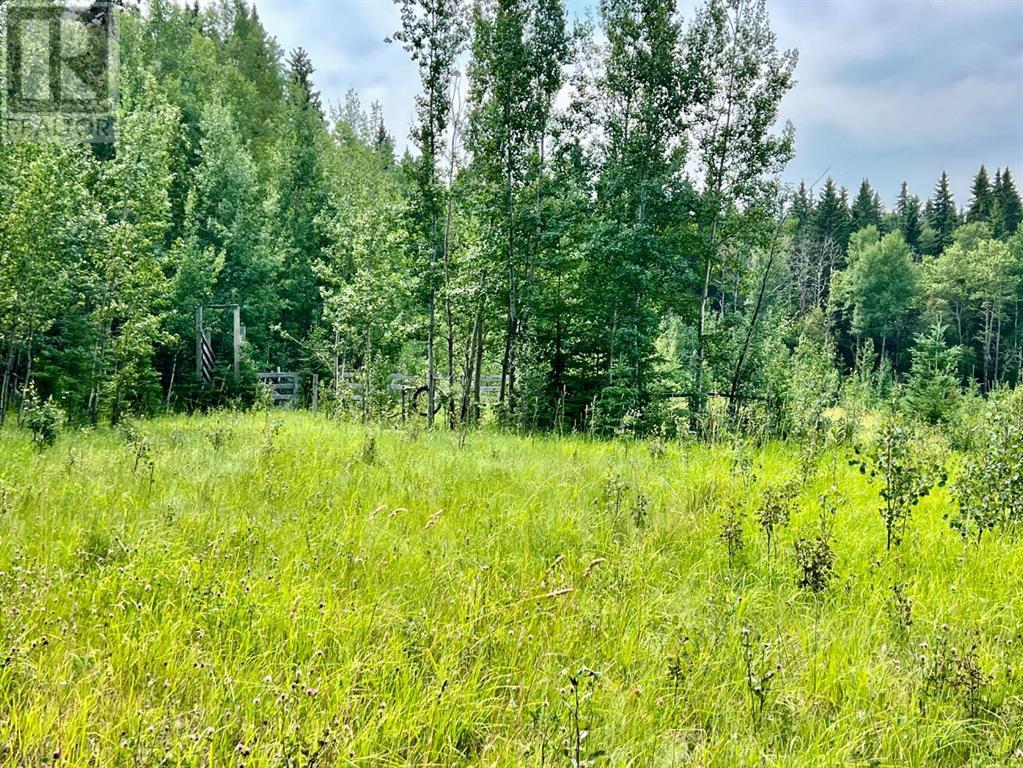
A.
pixel 198 343
pixel 237 342
pixel 316 392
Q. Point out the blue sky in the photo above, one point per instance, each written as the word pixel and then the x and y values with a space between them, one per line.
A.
pixel 886 89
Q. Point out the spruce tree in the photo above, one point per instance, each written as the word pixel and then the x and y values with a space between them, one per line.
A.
pixel 982 198
pixel 910 217
pixel 1009 211
pixel 942 214
pixel 832 220
pixel 867 209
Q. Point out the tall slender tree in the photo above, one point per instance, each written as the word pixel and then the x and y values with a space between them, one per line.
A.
pixel 867 209
pixel 942 214
pixel 1007 209
pixel 738 78
pixel 909 215
pixel 982 198
pixel 833 220
pixel 433 33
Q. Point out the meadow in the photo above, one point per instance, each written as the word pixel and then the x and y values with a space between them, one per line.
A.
pixel 287 590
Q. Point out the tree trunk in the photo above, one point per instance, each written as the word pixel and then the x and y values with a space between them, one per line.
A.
pixel 737 375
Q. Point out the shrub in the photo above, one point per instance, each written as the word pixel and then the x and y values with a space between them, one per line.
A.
pixel 989 491
pixel 905 478
pixel 732 532
pixel 932 391
pixel 776 508
pixel 952 670
pixel 761 669
pixel 812 386
pixel 815 557
pixel 43 419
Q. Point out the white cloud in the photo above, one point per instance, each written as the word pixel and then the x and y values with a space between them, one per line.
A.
pixel 889 89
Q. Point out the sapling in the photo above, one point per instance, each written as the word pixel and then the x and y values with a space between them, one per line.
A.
pixel 760 668
pixel 43 418
pixel 732 532
pixel 580 690
pixel 905 479
pixel 776 509
pixel 814 554
pixel 989 491
pixel 900 610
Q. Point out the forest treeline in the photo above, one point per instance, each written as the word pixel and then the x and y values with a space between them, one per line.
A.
pixel 590 216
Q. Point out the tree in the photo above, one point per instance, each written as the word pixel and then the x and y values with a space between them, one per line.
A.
pixel 364 270
pixel 1007 208
pixel 737 78
pixel 518 52
pixel 982 198
pixel 51 227
pixel 909 215
pixel 222 215
pixel 433 35
pixel 127 278
pixel 833 219
pixel 867 209
pixel 942 214
pixel 932 390
pixel 878 286
pixel 297 202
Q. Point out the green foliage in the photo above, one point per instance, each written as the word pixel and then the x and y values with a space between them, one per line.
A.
pixel 867 209
pixel 1007 210
pixel 245 569
pixel 815 556
pixel 989 489
pixel 942 214
pixel 775 509
pixel 932 391
pixel 813 383
pixel 43 418
pixel 952 669
pixel 878 286
pixel 905 473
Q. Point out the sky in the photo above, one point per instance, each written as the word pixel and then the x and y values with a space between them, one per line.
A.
pixel 888 89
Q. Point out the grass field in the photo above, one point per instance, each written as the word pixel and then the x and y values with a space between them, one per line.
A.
pixel 287 591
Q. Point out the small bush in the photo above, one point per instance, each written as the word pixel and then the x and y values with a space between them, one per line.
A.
pixel 953 671
pixel 776 509
pixel 43 419
pixel 815 557
pixel 732 532
pixel 906 474
pixel 932 392
pixel 989 491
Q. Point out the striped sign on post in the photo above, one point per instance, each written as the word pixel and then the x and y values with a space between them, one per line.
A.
pixel 207 359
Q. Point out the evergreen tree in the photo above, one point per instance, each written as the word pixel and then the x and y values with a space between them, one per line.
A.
pixel 1008 211
pixel 909 215
pixel 802 212
pixel 867 209
pixel 982 198
pixel 833 220
pixel 942 215
pixel 300 84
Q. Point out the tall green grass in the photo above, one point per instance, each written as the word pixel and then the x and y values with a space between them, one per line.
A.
pixel 321 594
